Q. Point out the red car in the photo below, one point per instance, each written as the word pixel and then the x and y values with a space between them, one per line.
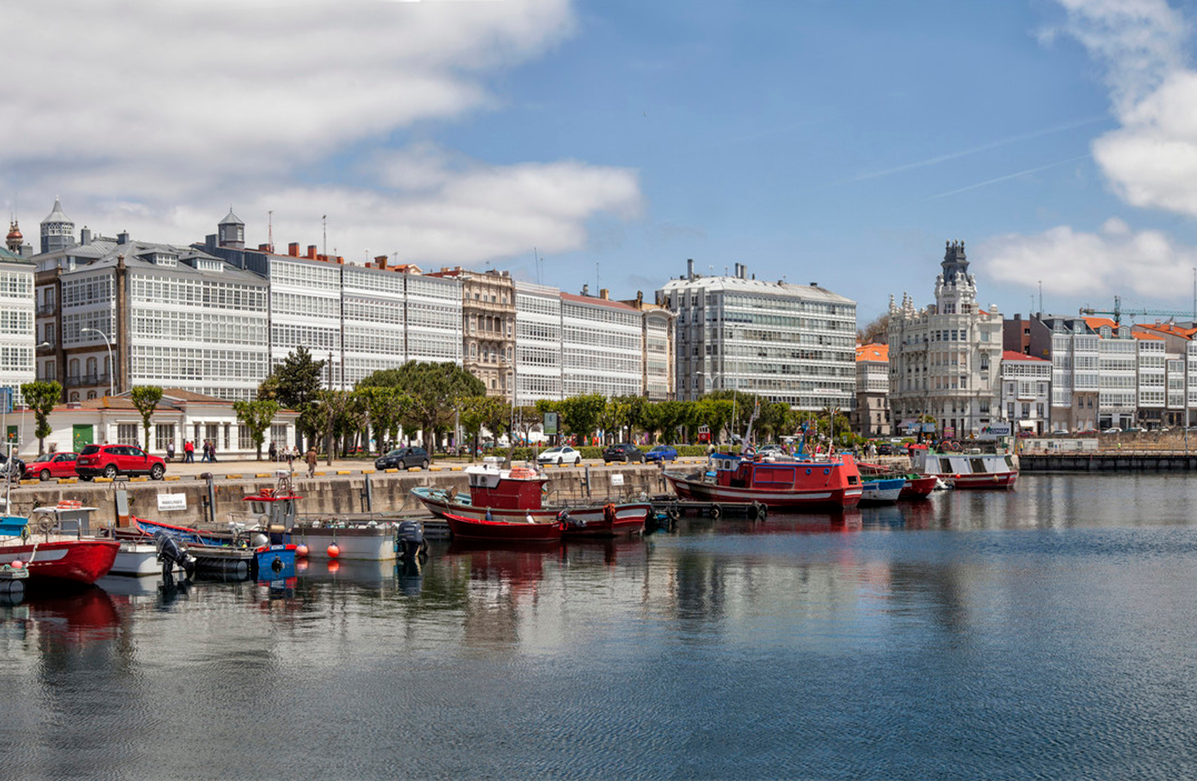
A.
pixel 53 465
pixel 113 460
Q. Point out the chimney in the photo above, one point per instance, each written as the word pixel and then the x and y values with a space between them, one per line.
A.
pixel 604 294
pixel 639 298
pixel 293 249
pixel 85 236
pixel 690 268
pixel 122 237
pixel 263 248
pixel 814 284
pixel 381 260
pixel 585 290
pixel 743 271
pixel 311 252
pixel 739 273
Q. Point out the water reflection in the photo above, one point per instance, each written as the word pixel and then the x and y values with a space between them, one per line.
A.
pixel 1024 633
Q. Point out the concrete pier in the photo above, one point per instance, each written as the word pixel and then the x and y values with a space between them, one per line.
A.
pixel 1108 461
pixel 323 495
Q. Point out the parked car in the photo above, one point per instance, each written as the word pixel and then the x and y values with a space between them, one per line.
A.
pixel 563 454
pixel 1134 430
pixel 885 448
pixel 53 465
pixel 13 471
pixel 113 460
pixel 1112 430
pixel 403 458
pixel 625 451
pixel 661 453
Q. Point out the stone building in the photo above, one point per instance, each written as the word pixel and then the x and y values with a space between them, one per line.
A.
pixel 871 413
pixel 944 359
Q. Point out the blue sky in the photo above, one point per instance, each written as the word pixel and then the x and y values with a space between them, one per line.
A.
pixel 835 142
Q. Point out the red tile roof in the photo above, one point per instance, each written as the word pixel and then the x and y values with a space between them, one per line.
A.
pixel 1011 355
pixel 596 301
pixel 872 352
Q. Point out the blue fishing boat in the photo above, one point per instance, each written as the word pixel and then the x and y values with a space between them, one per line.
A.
pixel 882 491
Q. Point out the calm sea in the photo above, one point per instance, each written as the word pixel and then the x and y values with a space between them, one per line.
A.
pixel 1047 632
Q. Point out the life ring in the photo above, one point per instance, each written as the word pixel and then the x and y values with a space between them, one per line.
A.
pixel 716 512
pixel 267 492
pixel 672 513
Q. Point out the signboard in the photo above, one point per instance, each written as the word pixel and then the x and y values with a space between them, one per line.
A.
pixel 171 502
pixel 6 400
pixel 550 424
pixel 996 430
pixel 616 479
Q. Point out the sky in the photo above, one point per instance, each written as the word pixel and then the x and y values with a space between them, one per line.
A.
pixel 605 142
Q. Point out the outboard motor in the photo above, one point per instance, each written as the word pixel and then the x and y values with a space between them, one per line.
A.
pixel 409 540
pixel 170 553
pixel 568 521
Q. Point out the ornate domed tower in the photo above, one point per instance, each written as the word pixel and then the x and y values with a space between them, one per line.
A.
pixel 955 288
pixel 15 239
pixel 58 232
pixel 231 232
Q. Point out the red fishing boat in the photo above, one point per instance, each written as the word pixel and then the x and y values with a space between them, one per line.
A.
pixel 779 483
pixel 518 496
pixel 505 531
pixel 52 555
pixel 918 486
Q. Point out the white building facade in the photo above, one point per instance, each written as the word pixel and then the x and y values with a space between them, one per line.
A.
pixel 791 344
pixel 16 331
pixel 1026 393
pixel 944 359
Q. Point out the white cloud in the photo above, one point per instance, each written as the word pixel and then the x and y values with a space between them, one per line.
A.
pixel 1070 262
pixel 1151 160
pixel 153 116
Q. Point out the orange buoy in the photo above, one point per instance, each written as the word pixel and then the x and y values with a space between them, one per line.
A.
pixel 333 550
pixel 18 564
pixel 301 550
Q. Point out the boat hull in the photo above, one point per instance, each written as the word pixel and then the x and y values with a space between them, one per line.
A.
pixel 591 520
pixel 359 544
pixel 919 487
pixel 138 559
pixel 63 561
pixel 462 527
pixel 700 491
pixel 981 481
pixel 882 491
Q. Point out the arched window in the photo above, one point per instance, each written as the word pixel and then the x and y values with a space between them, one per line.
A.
pixel 74 395
pixel 73 371
pixel 91 369
pixel 91 394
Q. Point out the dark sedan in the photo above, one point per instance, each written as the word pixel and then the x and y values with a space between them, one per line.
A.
pixel 403 458
pixel 624 452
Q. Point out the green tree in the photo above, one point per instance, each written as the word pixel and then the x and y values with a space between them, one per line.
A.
pixel 257 417
pixel 385 407
pixel 434 391
pixel 472 415
pixel 294 384
pixel 146 398
pixel 581 414
pixel 41 397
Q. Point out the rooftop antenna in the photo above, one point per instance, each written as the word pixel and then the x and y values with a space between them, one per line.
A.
pixel 597 283
pixel 270 230
pixel 324 222
pixel 1041 298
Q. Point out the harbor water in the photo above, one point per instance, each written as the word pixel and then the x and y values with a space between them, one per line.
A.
pixel 1044 632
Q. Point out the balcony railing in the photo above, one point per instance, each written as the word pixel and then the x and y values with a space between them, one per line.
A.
pixel 83 380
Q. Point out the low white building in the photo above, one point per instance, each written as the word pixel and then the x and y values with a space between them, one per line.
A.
pixel 180 415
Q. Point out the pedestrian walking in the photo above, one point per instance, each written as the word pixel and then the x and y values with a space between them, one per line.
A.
pixel 292 453
pixel 273 451
pixel 311 459
pixel 204 452
pixel 212 452
pixel 170 450
pixel 188 452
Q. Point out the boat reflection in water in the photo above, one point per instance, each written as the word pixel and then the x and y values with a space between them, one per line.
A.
pixel 73 619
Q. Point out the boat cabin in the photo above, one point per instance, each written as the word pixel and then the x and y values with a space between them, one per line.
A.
pixel 274 509
pixel 930 463
pixel 735 472
pixel 518 488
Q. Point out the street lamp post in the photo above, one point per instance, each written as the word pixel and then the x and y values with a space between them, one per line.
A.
pixel 111 362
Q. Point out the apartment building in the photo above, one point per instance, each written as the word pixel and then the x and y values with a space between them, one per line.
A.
pixel 787 343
